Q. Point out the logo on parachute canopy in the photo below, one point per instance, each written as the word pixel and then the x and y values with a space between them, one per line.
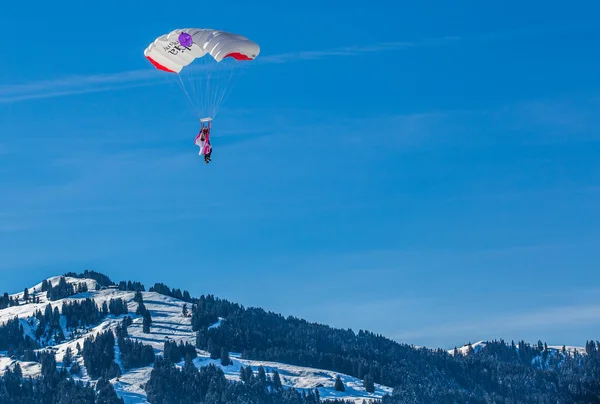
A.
pixel 185 39
pixel 175 47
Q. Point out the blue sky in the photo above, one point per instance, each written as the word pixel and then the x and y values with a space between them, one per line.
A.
pixel 429 172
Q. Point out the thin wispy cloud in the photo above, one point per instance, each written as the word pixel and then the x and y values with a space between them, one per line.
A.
pixel 52 94
pixel 352 50
pixel 108 82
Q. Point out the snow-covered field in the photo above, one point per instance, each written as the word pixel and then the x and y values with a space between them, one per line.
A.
pixel 168 322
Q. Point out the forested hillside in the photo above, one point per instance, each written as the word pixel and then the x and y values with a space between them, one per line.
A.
pixel 84 338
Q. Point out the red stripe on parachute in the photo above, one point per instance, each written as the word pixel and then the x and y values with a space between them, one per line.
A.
pixel 237 56
pixel 158 65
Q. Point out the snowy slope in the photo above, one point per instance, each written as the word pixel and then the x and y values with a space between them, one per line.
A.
pixel 465 348
pixel 168 322
pixel 568 348
pixel 477 346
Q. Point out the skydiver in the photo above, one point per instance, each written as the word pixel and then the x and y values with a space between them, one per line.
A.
pixel 203 141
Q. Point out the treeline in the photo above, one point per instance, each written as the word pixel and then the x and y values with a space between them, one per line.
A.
pixel 131 286
pixel 8 301
pixel 208 385
pixel 48 325
pixel 105 281
pixel 116 307
pixel 85 312
pixel 81 313
pixel 99 354
pixel 52 387
pixel 592 349
pixel 531 372
pixel 133 354
pixel 176 293
pixel 262 335
pixel 101 279
pixel 143 311
pixel 207 310
pixel 62 289
pixel 13 339
pixel 497 374
pixel 175 353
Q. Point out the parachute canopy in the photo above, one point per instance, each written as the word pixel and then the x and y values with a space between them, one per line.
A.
pixel 210 50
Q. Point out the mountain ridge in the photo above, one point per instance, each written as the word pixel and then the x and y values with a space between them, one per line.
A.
pixel 128 385
pixel 376 366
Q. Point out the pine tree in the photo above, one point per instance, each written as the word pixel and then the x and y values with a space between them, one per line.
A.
pixel 470 349
pixel 339 384
pixel 147 322
pixel 138 298
pixel 75 369
pixel 249 373
pixel 225 360
pixel 26 295
pixel 141 309
pixel 262 376
pixel 246 374
pixel 106 393
pixel 215 352
pixel 368 383
pixel 184 310
pixel 276 380
pixel 68 358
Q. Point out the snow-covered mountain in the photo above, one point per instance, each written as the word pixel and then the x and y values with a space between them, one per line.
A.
pixel 477 346
pixel 168 323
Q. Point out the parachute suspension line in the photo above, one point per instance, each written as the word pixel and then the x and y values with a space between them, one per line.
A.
pixel 198 86
pixel 207 97
pixel 198 83
pixel 229 87
pixel 191 91
pixel 215 93
pixel 188 95
pixel 168 78
pixel 221 86
pixel 206 92
pixel 224 86
pixel 202 44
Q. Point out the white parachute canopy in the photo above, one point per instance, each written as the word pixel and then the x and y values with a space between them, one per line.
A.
pixel 205 63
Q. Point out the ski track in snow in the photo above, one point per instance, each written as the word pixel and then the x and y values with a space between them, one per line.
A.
pixel 168 322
